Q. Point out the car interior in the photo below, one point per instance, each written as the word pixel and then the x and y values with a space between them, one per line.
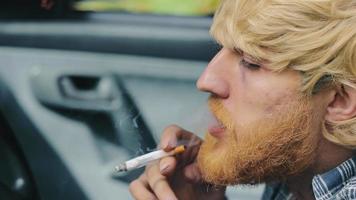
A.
pixel 83 91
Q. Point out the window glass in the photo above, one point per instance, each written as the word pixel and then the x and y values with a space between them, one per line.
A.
pixel 170 7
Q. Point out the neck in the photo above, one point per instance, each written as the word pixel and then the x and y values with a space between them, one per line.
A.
pixel 328 156
pixel 301 187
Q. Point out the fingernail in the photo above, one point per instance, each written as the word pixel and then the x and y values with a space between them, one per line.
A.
pixel 172 143
pixel 163 168
pixel 164 145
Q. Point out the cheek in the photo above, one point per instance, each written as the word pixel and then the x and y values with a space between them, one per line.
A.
pixel 248 101
pixel 265 94
pixel 269 91
pixel 256 95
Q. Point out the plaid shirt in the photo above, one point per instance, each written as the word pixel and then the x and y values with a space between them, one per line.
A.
pixel 336 184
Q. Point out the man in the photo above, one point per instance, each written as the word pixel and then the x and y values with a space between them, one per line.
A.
pixel 283 94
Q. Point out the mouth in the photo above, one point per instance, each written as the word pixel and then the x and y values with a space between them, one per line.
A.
pixel 216 128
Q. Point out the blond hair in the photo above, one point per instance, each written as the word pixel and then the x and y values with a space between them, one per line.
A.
pixel 315 37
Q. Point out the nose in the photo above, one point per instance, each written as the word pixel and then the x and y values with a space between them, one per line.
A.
pixel 214 79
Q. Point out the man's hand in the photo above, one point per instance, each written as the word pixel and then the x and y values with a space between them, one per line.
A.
pixel 175 177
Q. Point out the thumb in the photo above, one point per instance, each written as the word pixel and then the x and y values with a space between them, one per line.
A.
pixel 192 173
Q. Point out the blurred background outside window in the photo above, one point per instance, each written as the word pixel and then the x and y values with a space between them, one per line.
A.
pixel 166 7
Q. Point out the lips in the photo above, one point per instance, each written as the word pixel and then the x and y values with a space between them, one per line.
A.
pixel 216 128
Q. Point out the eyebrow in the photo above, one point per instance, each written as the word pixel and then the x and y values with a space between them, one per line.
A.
pixel 238 50
pixel 247 55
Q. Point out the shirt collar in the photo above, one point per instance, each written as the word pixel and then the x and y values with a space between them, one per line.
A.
pixel 326 185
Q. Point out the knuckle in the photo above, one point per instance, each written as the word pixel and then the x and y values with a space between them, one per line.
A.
pixel 133 185
pixel 167 162
pixel 158 184
pixel 152 172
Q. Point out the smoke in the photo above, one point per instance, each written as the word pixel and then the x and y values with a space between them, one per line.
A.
pixel 198 120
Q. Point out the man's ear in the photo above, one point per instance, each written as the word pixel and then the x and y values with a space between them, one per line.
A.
pixel 343 105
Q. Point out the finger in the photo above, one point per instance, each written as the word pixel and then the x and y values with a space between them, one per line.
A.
pixel 173 134
pixel 167 166
pixel 192 173
pixel 139 190
pixel 192 150
pixel 169 137
pixel 159 184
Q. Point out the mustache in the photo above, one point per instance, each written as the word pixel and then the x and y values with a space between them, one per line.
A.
pixel 222 115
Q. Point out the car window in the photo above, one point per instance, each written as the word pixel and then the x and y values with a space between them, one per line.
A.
pixel 168 7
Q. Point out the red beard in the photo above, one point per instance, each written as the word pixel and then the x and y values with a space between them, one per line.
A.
pixel 266 150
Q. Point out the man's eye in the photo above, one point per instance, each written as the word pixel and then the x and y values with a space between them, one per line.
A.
pixel 249 65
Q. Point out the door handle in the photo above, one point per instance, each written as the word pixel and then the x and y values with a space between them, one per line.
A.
pixel 87 88
pixel 96 92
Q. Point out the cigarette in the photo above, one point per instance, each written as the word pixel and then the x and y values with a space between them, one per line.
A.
pixel 145 159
